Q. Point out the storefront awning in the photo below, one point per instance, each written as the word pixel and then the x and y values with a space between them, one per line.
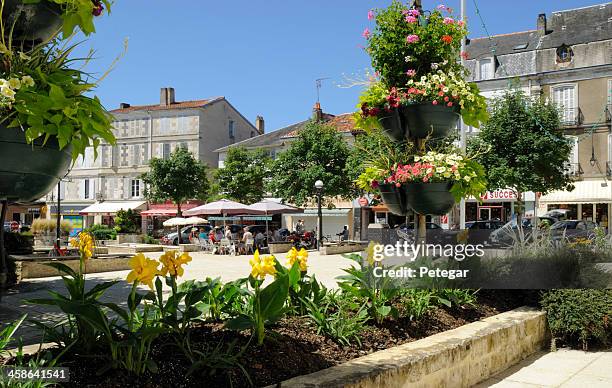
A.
pixel 110 207
pixel 326 213
pixel 166 210
pixel 597 191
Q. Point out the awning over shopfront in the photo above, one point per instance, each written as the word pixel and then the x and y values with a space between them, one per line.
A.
pixel 166 210
pixel 585 192
pixel 67 209
pixel 112 207
pixel 326 213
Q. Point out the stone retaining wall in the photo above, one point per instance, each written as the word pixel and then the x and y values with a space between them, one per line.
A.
pixel 33 270
pixel 457 358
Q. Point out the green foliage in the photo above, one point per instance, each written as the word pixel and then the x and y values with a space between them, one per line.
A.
pixel 56 104
pixel 583 315
pixel 376 293
pixel 86 321
pixel 179 178
pixel 319 152
pixel 528 151
pixel 212 360
pixel 336 320
pixel 148 239
pixel 267 304
pixel 459 297
pixel 224 300
pixel 102 232
pixel 76 13
pixel 126 221
pixel 392 56
pixel 244 174
pixel 7 333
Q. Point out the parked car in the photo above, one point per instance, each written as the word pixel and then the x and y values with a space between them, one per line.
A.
pixel 172 238
pixel 573 229
pixel 486 225
pixel 410 226
pixel 508 234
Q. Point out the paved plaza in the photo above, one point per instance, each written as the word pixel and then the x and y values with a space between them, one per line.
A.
pixel 12 305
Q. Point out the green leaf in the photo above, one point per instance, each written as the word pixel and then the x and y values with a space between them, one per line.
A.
pixel 99 289
pixel 241 322
pixel 273 297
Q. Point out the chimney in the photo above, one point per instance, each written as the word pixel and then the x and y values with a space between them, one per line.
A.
pixel 317 112
pixel 542 24
pixel 167 96
pixel 260 124
pixel 124 105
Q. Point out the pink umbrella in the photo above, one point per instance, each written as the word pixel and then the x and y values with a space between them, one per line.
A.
pixel 223 207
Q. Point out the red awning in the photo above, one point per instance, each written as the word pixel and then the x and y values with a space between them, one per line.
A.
pixel 165 210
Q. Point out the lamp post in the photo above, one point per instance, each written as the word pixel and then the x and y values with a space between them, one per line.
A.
pixel 319 188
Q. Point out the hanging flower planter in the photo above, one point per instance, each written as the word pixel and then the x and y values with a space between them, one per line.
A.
pixel 35 23
pixel 426 119
pixel 430 198
pixel 392 125
pixel 394 199
pixel 29 171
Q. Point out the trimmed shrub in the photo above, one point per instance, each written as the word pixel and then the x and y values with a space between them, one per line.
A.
pixel 102 232
pixel 582 316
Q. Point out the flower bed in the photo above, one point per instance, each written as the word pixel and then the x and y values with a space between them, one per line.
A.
pixel 277 323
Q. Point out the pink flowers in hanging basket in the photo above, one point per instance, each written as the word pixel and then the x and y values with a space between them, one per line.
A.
pixel 412 38
pixel 98 8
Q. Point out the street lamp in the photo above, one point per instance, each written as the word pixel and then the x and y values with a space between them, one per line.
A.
pixel 319 188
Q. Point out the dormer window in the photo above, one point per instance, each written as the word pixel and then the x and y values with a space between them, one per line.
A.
pixel 564 54
pixel 486 68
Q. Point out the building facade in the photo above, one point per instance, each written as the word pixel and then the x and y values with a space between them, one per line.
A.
pixel 568 60
pixel 97 187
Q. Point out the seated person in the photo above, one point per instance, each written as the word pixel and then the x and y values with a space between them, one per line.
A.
pixel 260 239
pixel 202 235
pixel 344 235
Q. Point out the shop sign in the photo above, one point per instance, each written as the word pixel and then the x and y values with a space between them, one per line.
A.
pixel 499 195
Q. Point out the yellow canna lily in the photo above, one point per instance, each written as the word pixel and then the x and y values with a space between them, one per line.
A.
pixel 85 243
pixel 260 267
pixel 144 270
pixel 172 263
pixel 301 257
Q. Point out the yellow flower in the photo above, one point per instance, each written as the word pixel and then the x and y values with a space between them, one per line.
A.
pixel 260 267
pixel 14 83
pixel 172 263
pixel 301 257
pixel 85 244
pixel 7 92
pixel 26 80
pixel 144 270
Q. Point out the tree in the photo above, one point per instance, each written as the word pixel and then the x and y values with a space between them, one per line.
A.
pixel 244 175
pixel 319 152
pixel 126 221
pixel 179 178
pixel 527 149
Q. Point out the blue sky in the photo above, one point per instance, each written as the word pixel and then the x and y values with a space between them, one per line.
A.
pixel 263 56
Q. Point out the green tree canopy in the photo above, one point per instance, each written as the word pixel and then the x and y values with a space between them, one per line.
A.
pixel 178 179
pixel 244 175
pixel 319 152
pixel 527 148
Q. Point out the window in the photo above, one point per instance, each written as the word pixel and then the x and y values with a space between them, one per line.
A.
pixel 184 145
pixel 564 54
pixel 136 155
pixel 124 154
pixel 609 93
pixel 86 193
pixel 231 129
pixel 565 97
pixel 166 151
pixel 486 68
pixel 135 188
pixel 573 162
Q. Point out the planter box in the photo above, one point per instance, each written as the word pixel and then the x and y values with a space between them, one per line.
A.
pixel 280 247
pixel 30 269
pixel 134 248
pixel 461 357
pixel 340 249
pixel 187 248
pixel 44 240
pixel 129 238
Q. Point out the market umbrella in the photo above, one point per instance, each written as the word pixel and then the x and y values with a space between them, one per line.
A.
pixel 178 222
pixel 222 207
pixel 196 220
pixel 268 206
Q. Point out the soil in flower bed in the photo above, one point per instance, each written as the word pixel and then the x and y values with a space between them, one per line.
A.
pixel 291 349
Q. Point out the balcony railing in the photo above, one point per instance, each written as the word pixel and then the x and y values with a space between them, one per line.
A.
pixel 571 117
pixel 574 169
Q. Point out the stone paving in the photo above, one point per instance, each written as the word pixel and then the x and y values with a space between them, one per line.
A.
pixel 12 305
pixel 563 368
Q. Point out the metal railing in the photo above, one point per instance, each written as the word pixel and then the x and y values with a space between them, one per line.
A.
pixel 571 117
pixel 574 169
